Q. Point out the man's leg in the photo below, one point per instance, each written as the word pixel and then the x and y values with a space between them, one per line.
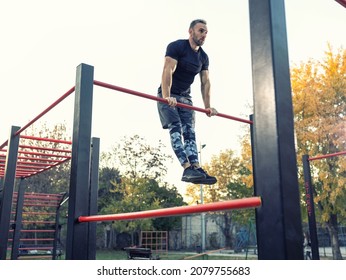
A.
pixel 190 173
pixel 190 146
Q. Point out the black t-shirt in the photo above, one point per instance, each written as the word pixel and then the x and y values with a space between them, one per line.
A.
pixel 190 63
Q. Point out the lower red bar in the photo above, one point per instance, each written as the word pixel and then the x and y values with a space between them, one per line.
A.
pixel 176 211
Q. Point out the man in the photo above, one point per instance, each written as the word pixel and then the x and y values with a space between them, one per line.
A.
pixel 183 61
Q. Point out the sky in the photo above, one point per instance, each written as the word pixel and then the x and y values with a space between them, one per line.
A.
pixel 44 41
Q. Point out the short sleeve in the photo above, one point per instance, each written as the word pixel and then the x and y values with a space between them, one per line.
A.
pixel 174 50
pixel 205 65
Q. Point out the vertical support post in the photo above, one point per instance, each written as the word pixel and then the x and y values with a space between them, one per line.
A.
pixel 279 228
pixel 57 229
pixel 93 195
pixel 8 187
pixel 77 233
pixel 18 220
pixel 309 195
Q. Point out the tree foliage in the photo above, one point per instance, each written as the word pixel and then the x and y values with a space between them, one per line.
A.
pixel 131 180
pixel 233 175
pixel 319 98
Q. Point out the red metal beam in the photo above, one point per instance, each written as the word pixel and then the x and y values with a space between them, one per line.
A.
pixel 342 2
pixel 155 98
pixel 45 139
pixel 176 211
pixel 327 156
pixel 44 149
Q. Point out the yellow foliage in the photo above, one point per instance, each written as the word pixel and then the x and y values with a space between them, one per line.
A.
pixel 319 100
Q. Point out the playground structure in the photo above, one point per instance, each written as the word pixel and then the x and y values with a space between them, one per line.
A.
pixel 38 237
pixel 278 221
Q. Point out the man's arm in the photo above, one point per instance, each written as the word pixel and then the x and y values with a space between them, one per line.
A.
pixel 205 90
pixel 166 82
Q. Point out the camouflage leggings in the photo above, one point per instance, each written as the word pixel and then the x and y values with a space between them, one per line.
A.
pixel 187 151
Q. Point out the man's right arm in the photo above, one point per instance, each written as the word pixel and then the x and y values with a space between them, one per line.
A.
pixel 167 76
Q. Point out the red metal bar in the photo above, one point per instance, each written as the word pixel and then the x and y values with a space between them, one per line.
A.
pixel 33 239
pixel 35 222
pixel 36 213
pixel 20 163
pixel 50 167
pixel 40 205
pixel 175 211
pixel 45 139
pixel 39 159
pixel 36 248
pixel 44 149
pixel 327 156
pixel 342 2
pixel 148 96
pixel 29 194
pixel 42 154
pixel 36 230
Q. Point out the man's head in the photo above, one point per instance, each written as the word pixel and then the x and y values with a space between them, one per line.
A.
pixel 198 31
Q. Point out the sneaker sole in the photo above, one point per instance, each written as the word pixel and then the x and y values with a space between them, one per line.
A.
pixel 192 179
pixel 205 181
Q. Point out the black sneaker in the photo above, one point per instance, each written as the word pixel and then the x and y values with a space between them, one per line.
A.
pixel 209 180
pixel 191 174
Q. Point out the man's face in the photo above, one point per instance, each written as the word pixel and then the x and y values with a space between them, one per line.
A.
pixel 198 33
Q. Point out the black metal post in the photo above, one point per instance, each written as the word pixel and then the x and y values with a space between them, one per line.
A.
pixel 77 233
pixel 93 194
pixel 18 220
pixel 57 228
pixel 8 187
pixel 279 228
pixel 309 199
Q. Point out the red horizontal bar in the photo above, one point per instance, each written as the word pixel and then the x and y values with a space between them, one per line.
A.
pixel 37 213
pixel 27 168
pixel 42 154
pixel 36 248
pixel 47 168
pixel 148 96
pixel 40 205
pixel 175 211
pixel 36 230
pixel 40 194
pixel 39 159
pixel 44 149
pixel 45 139
pixel 35 222
pixel 22 163
pixel 34 239
pixel 327 156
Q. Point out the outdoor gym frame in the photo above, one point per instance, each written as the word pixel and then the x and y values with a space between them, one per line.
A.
pixel 278 220
pixel 309 199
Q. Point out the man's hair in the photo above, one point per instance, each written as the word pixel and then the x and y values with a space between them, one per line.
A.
pixel 194 22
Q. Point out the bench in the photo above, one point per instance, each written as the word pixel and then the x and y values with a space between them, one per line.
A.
pixel 139 253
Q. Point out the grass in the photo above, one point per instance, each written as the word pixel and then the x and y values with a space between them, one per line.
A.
pixel 121 255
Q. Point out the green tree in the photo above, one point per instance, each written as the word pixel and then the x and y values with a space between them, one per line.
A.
pixel 319 95
pixel 230 171
pixel 135 158
pixel 138 185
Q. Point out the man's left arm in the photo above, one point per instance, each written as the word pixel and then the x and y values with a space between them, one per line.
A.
pixel 205 90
